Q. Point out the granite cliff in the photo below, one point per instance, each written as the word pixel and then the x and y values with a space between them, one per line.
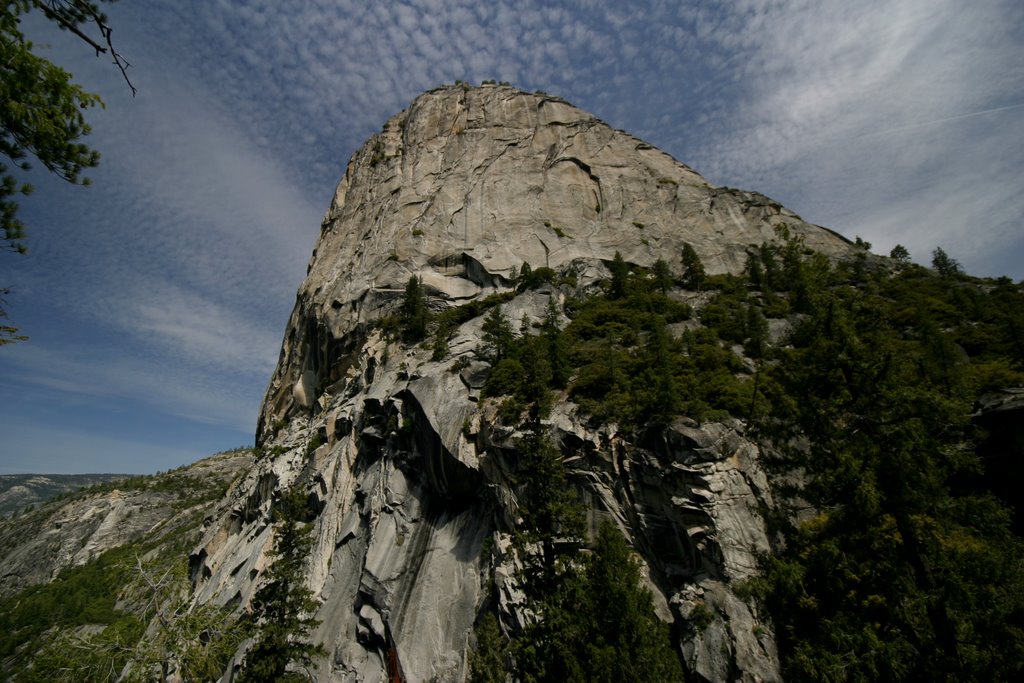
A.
pixel 468 184
pixel 504 319
pixel 410 473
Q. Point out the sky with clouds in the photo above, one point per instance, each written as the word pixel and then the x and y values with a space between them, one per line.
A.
pixel 155 299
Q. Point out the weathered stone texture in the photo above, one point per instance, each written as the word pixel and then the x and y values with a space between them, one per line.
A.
pixel 467 184
pixel 413 472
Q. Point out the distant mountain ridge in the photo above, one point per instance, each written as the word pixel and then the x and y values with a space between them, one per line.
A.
pixel 18 491
pixel 82 560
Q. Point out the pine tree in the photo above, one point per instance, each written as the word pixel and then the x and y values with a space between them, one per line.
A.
pixel 488 662
pixel 283 606
pixel 756 328
pixel 772 279
pixel 693 268
pixel 626 640
pixel 557 355
pixel 548 508
pixel 665 395
pixel 663 279
pixel 944 264
pixel 752 270
pixel 620 277
pixel 903 573
pixel 414 313
pixel 525 277
pixel 497 336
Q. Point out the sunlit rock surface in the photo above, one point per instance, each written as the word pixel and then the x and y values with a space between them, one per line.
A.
pixel 411 475
pixel 35 547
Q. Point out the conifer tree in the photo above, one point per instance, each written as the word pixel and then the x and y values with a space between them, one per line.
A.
pixel 525 276
pixel 620 277
pixel 498 336
pixel 944 264
pixel 663 279
pixel 752 270
pixel 593 620
pixel 693 268
pixel 414 313
pixel 770 266
pixel 626 640
pixel 756 328
pixel 283 606
pixel 488 662
pixel 558 357
pixel 892 578
pixel 665 396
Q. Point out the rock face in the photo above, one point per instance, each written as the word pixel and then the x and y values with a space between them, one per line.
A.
pixel 21 491
pixel 411 473
pixel 35 547
pixel 468 184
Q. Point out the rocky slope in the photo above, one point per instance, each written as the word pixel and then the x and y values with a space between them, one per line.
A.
pixel 411 474
pixel 21 491
pixel 70 531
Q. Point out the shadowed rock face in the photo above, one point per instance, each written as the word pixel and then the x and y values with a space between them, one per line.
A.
pixel 407 467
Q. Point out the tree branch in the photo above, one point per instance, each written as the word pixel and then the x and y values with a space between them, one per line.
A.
pixel 60 16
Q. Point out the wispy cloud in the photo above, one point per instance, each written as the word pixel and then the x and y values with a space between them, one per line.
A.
pixel 875 116
pixel 202 332
pixel 168 283
pixel 38 376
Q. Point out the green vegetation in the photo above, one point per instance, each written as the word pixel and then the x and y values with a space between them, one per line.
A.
pixel 595 623
pixel 449 320
pixel 81 595
pixel 43 110
pixel 944 264
pixel 414 315
pixel 39 489
pixel 378 153
pixel 315 442
pixel 593 620
pixel 693 269
pixel 617 358
pixel 858 379
pixel 187 487
pixel 908 568
pixel 528 278
pixel 900 254
pixel 88 624
pixel 283 605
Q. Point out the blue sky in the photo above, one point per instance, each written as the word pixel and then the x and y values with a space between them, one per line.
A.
pixel 155 300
